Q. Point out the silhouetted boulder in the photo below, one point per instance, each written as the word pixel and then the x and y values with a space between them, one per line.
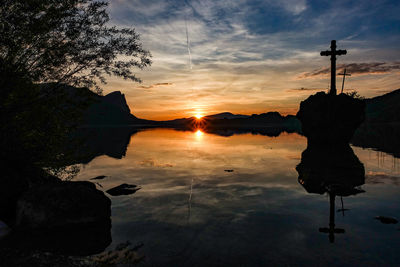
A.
pixel 14 182
pixel 101 177
pixel 65 204
pixel 123 189
pixel 71 218
pixel 329 118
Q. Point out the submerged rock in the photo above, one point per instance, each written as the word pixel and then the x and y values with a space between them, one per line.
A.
pixel 64 204
pixel 123 189
pixel 330 119
pixel 386 220
pixel 101 177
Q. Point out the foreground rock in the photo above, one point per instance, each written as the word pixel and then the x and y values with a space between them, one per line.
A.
pixel 65 204
pixel 77 240
pixel 14 182
pixel 66 218
pixel 330 119
pixel 123 189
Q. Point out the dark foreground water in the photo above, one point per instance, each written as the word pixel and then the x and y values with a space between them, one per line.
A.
pixel 210 200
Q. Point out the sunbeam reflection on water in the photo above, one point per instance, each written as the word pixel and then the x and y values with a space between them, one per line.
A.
pixel 255 214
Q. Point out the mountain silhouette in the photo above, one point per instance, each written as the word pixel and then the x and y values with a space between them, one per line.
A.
pixel 110 109
pixel 227 115
pixel 380 129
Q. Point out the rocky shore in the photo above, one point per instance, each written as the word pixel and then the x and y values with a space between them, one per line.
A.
pixel 44 214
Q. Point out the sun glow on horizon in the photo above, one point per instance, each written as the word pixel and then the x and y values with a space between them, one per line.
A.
pixel 198 116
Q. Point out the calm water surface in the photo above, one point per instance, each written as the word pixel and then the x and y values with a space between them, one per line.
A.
pixel 191 212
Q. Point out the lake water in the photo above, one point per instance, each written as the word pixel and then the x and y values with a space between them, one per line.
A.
pixel 210 200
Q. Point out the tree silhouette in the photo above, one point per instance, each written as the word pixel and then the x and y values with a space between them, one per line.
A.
pixel 47 46
pixel 66 41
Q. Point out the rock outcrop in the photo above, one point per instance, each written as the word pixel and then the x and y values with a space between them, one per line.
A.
pixel 13 184
pixel 110 109
pixel 62 205
pixel 47 214
pixel 123 189
pixel 330 119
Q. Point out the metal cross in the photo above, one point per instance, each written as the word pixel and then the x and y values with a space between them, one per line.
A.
pixel 344 77
pixel 333 53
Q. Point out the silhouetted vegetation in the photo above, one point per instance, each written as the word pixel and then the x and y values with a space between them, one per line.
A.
pixel 51 54
pixel 56 43
pixel 355 94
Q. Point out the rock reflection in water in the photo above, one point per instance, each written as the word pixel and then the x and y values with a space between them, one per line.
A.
pixel 335 170
pixel 89 143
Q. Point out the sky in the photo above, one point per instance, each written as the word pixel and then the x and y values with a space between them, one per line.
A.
pixel 254 56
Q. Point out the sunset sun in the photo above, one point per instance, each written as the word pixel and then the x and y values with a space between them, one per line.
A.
pixel 198 116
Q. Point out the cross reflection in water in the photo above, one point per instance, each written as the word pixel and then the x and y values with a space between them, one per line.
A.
pixel 334 170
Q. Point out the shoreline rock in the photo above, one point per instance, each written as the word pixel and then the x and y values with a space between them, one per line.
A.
pixel 62 204
pixel 330 119
pixel 123 189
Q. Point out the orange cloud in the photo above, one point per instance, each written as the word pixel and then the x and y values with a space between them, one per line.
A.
pixel 303 89
pixel 152 86
pixel 354 69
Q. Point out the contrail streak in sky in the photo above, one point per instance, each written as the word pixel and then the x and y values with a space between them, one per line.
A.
pixel 188 45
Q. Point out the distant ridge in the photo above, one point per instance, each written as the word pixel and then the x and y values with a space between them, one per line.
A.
pixel 226 115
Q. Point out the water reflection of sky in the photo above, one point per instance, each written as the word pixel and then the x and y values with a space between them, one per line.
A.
pixel 190 211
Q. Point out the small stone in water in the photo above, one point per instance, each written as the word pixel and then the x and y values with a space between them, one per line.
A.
pixel 386 220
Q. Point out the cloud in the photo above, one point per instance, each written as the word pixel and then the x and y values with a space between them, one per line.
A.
pixel 294 7
pixel 244 51
pixel 354 69
pixel 152 86
pixel 304 89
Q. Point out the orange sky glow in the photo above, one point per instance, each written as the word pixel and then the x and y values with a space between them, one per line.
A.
pixel 224 56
